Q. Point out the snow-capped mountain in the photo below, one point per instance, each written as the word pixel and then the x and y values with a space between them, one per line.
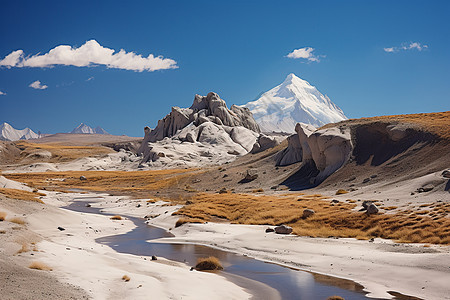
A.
pixel 8 133
pixel 85 129
pixel 294 101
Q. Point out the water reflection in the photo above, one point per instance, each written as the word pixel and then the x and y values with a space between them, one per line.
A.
pixel 290 283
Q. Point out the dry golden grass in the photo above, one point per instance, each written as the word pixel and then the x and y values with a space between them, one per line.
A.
pixel 21 195
pixel 341 192
pixel 117 217
pixel 337 220
pixel 436 123
pixel 2 216
pixel 184 220
pixel 135 183
pixel 126 278
pixel 209 263
pixel 62 153
pixel 39 266
pixel 329 220
pixel 335 298
pixel 17 220
pixel 389 207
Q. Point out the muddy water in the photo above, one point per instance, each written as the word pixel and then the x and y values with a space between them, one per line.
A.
pixel 247 272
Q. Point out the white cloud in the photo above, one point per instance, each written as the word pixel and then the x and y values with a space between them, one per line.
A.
pixel 305 53
pixel 38 85
pixel 413 45
pixel 89 54
pixel 2 93
pixel 12 59
pixel 90 78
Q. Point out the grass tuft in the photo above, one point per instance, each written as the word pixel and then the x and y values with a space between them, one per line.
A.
pixel 209 263
pixel 126 278
pixel 2 216
pixel 182 221
pixel 117 217
pixel 341 192
pixel 17 220
pixel 37 265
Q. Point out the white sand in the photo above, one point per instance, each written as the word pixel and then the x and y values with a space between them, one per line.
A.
pixel 75 257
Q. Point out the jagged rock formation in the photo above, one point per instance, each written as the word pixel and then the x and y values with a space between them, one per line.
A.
pixel 207 132
pixel 204 109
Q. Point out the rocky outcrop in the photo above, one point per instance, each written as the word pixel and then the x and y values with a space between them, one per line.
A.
pixel 263 143
pixel 326 150
pixel 208 132
pixel 329 148
pixel 204 109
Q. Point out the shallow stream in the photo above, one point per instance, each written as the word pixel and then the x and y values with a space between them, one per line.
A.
pixel 249 273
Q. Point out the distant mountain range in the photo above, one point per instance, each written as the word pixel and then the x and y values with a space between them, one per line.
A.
pixel 9 133
pixel 85 129
pixel 294 101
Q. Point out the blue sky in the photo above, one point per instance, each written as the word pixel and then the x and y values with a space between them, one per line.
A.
pixel 365 57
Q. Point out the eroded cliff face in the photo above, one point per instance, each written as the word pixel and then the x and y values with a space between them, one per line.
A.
pixel 323 152
pixel 207 132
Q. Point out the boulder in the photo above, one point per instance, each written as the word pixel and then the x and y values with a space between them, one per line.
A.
pixel 263 143
pixel 372 209
pixel 446 174
pixel 269 230
pixel 250 175
pixel 308 213
pixel 425 188
pixel 283 229
pixel 82 177
pixel 366 204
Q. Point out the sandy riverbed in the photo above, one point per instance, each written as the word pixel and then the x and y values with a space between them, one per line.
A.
pixel 76 258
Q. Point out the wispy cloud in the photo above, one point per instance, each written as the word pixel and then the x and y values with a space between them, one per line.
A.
pixel 2 93
pixel 89 54
pixel 411 46
pixel 305 53
pixel 38 85
pixel 90 78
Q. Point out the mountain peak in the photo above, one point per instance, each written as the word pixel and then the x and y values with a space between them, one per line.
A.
pixel 85 129
pixel 9 133
pixel 293 101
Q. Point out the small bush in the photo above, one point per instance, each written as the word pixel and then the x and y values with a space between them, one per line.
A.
pixel 341 192
pixel 209 263
pixel 116 217
pixel 335 298
pixel 17 220
pixel 39 266
pixel 126 278
pixel 2 216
